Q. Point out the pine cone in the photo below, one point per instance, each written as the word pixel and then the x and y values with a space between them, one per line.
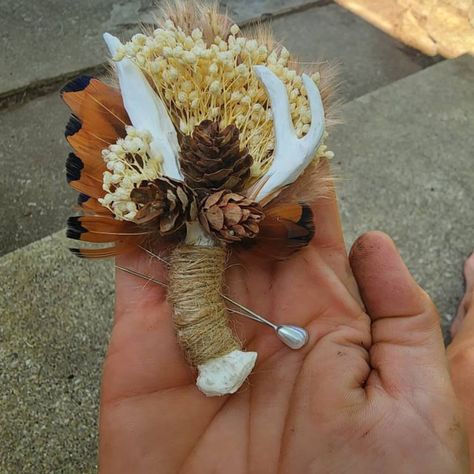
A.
pixel 211 158
pixel 230 216
pixel 165 202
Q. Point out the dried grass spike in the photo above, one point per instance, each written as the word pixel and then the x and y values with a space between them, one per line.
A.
pixel 189 15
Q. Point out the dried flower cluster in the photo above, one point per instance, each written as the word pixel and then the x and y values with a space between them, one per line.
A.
pixel 128 163
pixel 201 80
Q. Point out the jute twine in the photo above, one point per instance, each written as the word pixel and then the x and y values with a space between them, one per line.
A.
pixel 200 317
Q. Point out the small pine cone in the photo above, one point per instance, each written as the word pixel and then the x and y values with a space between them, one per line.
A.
pixel 164 202
pixel 211 158
pixel 230 216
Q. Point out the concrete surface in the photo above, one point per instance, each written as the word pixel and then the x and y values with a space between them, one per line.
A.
pixel 52 38
pixel 406 163
pixel 369 59
pixel 405 156
pixel 45 41
pixel 55 313
pixel 444 27
pixel 35 200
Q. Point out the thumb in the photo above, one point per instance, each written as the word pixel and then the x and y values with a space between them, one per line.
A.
pixel 407 345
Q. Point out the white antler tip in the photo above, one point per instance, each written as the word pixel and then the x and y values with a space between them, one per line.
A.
pixel 311 87
pixel 283 170
pixel 146 110
pixel 112 42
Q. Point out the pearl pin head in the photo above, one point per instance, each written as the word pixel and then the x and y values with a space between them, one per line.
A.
pixel 294 337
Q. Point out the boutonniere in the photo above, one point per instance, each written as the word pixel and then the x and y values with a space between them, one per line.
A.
pixel 211 140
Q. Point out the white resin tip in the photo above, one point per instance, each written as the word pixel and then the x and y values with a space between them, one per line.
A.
pixel 225 375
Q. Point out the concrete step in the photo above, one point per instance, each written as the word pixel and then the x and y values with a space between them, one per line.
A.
pixel 55 314
pixel 405 158
pixel 406 162
pixel 31 31
pixel 44 42
pixel 35 200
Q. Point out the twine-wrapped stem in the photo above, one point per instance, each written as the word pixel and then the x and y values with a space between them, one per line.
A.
pixel 195 284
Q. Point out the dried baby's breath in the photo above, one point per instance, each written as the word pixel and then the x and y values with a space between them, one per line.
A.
pixel 128 163
pixel 199 81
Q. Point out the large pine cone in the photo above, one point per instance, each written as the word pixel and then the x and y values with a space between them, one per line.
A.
pixel 165 202
pixel 211 158
pixel 229 216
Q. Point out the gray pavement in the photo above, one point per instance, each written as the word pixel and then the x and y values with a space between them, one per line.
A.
pixel 55 313
pixel 368 58
pixel 405 160
pixel 35 200
pixel 44 42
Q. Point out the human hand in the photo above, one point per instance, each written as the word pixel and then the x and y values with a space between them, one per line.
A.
pixel 370 393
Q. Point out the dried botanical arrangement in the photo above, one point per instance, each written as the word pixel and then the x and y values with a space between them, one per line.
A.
pixel 213 140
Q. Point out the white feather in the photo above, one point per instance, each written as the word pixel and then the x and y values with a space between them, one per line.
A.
pixel 291 155
pixel 146 110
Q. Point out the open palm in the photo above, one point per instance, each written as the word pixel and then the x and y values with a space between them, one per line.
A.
pixel 370 393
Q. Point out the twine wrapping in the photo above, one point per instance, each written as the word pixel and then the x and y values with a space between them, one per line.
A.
pixel 199 312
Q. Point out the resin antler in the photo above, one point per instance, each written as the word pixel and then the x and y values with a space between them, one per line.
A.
pixel 292 154
pixel 146 110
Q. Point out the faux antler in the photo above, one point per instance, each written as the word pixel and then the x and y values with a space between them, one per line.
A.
pixel 292 155
pixel 146 110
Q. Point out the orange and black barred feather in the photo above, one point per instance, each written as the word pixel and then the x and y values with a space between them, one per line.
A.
pixel 91 206
pixel 98 105
pixel 104 252
pixel 102 229
pixel 98 119
pixel 79 177
pixel 285 229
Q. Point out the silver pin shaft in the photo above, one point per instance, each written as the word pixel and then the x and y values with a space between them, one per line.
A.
pixel 295 337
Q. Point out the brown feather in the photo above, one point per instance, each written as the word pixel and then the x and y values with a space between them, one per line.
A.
pixel 103 252
pixel 88 147
pixel 87 185
pixel 99 119
pixel 285 229
pixel 92 206
pixel 102 228
pixel 83 178
pixel 99 107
